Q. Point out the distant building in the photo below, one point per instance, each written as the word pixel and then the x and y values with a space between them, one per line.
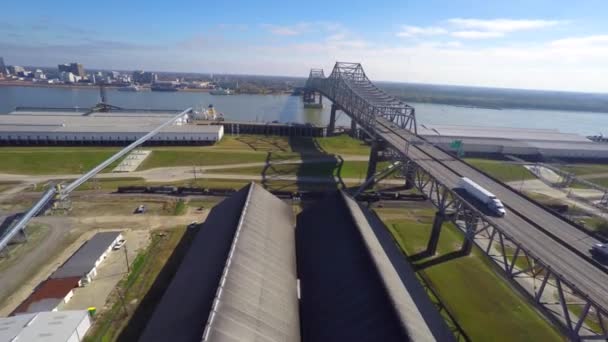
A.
pixel 39 75
pixel 142 77
pixel 75 68
pixel 3 70
pixel 15 70
pixel 67 77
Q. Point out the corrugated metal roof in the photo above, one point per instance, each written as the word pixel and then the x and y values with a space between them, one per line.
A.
pixel 257 299
pixel 417 312
pixel 195 283
pixel 44 326
pixel 10 327
pixel 350 289
pixel 102 123
pixel 256 268
pixel 48 295
pixel 83 261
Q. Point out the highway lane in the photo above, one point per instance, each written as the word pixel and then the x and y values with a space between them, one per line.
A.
pixel 588 278
pixel 578 239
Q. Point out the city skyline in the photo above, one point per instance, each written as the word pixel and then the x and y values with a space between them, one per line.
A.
pixel 552 45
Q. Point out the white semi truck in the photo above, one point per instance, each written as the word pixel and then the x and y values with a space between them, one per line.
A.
pixel 483 195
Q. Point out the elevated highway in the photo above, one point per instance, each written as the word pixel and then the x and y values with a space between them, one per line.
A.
pixel 556 251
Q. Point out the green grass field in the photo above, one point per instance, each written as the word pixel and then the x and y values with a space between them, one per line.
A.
pixel 502 170
pixel 168 158
pixel 481 301
pixel 585 169
pixel 339 144
pixel 231 150
pixel 53 160
pixel 349 169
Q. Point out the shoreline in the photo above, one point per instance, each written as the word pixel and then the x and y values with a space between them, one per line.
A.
pixel 10 83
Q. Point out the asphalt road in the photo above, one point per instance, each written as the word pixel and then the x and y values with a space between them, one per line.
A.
pixel 589 278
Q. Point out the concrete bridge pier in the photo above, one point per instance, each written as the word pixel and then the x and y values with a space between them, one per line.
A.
pixel 467 244
pixel 431 247
pixel 353 129
pixel 408 172
pixel 332 119
pixel 372 165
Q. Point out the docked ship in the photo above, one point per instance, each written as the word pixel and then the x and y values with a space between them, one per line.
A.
pixel 132 87
pixel 208 114
pixel 164 86
pixel 598 138
pixel 221 91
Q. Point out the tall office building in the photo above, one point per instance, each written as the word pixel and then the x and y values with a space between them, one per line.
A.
pixel 3 70
pixel 77 69
pixel 74 68
pixel 142 77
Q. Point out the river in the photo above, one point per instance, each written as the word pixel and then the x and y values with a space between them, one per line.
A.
pixel 285 108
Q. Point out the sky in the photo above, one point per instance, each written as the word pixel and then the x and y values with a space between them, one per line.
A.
pixel 533 44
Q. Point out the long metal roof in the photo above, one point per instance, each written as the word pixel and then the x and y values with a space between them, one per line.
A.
pixel 257 299
pixel 238 279
pixel 83 261
pixel 355 285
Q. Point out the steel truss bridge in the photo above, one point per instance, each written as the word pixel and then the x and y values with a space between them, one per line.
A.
pixel 545 256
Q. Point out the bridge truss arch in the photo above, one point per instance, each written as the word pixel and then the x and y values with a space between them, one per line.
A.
pixel 349 86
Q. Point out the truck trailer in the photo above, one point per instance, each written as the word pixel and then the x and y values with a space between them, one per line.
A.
pixel 482 195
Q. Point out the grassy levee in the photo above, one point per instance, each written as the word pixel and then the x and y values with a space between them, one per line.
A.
pixel 338 144
pixel 168 158
pixel 585 169
pixel 231 150
pixel 482 301
pixel 53 160
pixel 504 171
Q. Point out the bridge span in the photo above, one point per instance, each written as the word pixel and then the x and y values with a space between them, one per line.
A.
pixel 545 255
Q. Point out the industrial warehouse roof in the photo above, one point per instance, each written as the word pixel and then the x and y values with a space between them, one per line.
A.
pixel 101 123
pixel 258 296
pixel 83 261
pixel 498 133
pixel 355 283
pixel 43 326
pixel 238 279
pixel 48 295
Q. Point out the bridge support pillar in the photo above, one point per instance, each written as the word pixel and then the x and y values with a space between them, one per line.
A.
pixel 332 120
pixel 467 244
pixel 353 129
pixel 20 237
pixel 320 99
pixel 408 172
pixel 373 159
pixel 431 247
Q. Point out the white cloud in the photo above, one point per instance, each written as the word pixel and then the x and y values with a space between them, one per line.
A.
pixel 292 30
pixel 582 42
pixel 502 25
pixel 477 34
pixel 414 31
pixel 454 43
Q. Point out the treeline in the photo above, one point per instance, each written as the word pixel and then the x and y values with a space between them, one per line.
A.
pixel 498 98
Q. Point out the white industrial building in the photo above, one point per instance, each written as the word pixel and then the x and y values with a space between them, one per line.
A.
pixel 74 128
pixel 525 142
pixel 87 258
pixel 56 326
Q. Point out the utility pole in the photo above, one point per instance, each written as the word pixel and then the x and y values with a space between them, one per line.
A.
pixel 127 258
